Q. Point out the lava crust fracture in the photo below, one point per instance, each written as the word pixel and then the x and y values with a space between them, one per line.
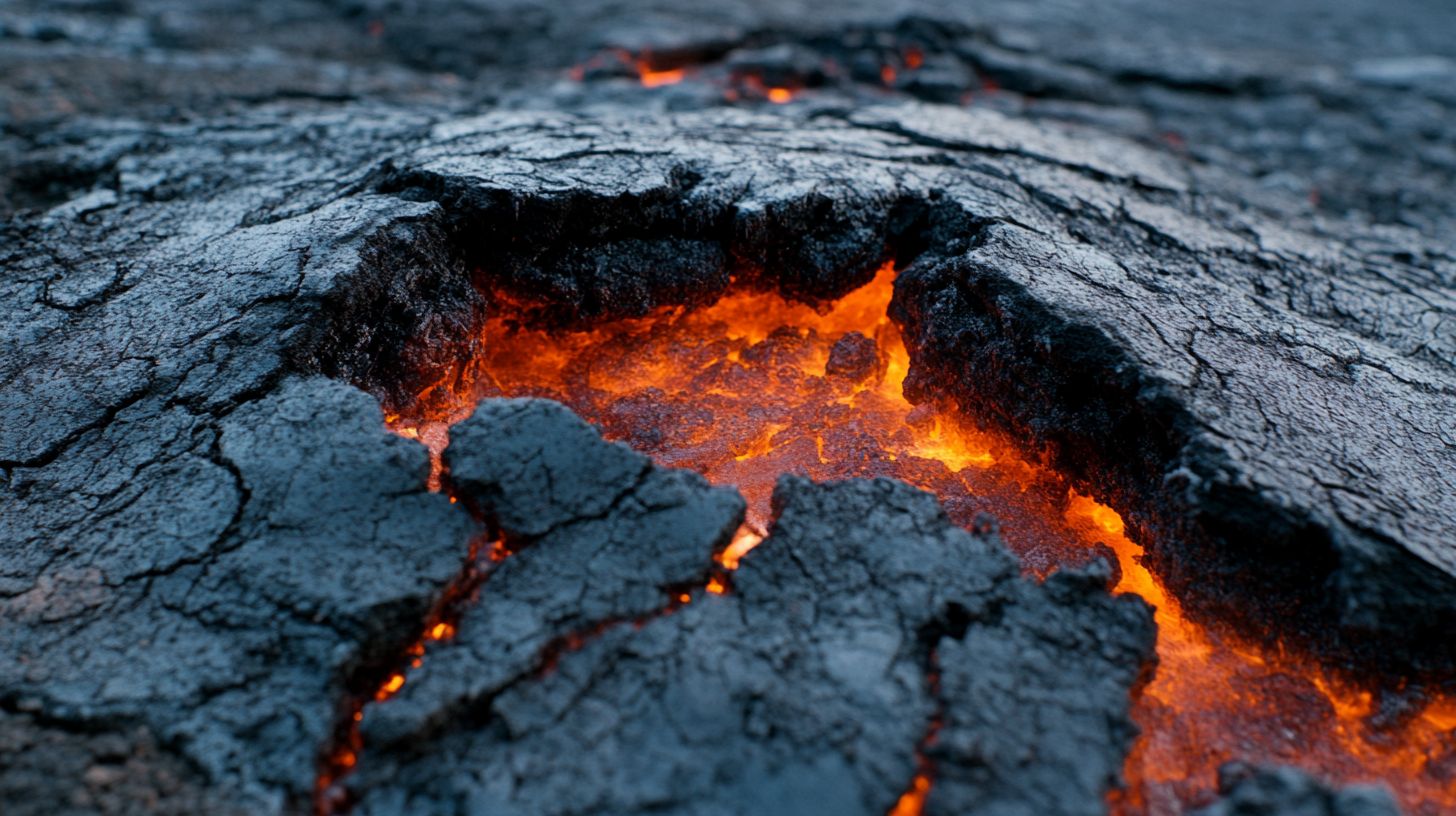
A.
pixel 805 690
pixel 600 536
pixel 1189 263
pixel 224 632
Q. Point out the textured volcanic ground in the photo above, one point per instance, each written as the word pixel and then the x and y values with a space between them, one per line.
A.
pixel 476 407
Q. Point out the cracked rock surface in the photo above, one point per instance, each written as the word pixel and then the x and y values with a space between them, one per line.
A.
pixel 1200 257
pixel 223 633
pixel 603 537
pixel 1249 391
pixel 804 691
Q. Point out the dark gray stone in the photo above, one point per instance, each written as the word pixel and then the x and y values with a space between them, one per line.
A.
pixel 804 691
pixel 1198 255
pixel 218 600
pixel 116 772
pixel 600 534
pixel 1249 791
pixel 1026 700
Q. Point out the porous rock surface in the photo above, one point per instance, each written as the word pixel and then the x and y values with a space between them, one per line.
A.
pixel 805 690
pixel 1251 791
pixel 118 772
pixel 601 536
pixel 222 623
pixel 1197 255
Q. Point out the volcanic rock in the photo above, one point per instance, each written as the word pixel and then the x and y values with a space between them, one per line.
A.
pixel 230 576
pixel 602 536
pixel 1249 791
pixel 853 357
pixel 115 773
pixel 1196 255
pixel 1248 393
pixel 806 690
pixel 1025 701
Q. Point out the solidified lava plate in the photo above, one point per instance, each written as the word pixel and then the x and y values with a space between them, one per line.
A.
pixel 478 409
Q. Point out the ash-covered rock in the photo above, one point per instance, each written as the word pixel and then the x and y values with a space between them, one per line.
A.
pixel 806 690
pixel 202 199
pixel 1033 735
pixel 1246 392
pixel 82 770
pixel 220 611
pixel 602 536
pixel 1250 791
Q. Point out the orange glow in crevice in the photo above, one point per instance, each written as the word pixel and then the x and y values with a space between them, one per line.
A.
pixel 1216 698
pixel 748 85
pixel 649 73
pixel 756 386
pixel 341 756
pixel 912 801
pixel 656 79
pixel 744 540
pixel 551 654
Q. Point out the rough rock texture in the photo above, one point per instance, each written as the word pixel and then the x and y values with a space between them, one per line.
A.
pixel 1201 256
pixel 602 536
pixel 1025 701
pixel 221 624
pixel 1346 104
pixel 1245 391
pixel 1290 792
pixel 115 773
pixel 805 691
pixel 1286 405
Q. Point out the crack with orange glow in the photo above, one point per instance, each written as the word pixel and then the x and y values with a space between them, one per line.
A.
pixel 756 386
pixel 912 801
pixel 652 73
pixel 341 755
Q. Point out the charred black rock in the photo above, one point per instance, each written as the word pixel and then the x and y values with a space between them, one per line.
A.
pixel 1070 320
pixel 807 690
pixel 217 603
pixel 1196 254
pixel 603 537
pixel 1241 426
pixel 853 357
pixel 1250 791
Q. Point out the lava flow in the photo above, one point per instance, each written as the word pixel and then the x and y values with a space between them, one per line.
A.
pixel 756 386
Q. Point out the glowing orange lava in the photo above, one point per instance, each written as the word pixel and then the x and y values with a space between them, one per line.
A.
pixel 654 78
pixel 912 801
pixel 1215 698
pixel 341 755
pixel 649 74
pixel 756 386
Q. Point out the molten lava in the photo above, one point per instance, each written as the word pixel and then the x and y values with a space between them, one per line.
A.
pixel 1215 698
pixel 652 78
pixel 756 386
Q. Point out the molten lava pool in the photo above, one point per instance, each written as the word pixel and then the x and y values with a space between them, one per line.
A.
pixel 756 386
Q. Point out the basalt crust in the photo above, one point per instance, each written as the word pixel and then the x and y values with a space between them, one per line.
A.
pixel 210 543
